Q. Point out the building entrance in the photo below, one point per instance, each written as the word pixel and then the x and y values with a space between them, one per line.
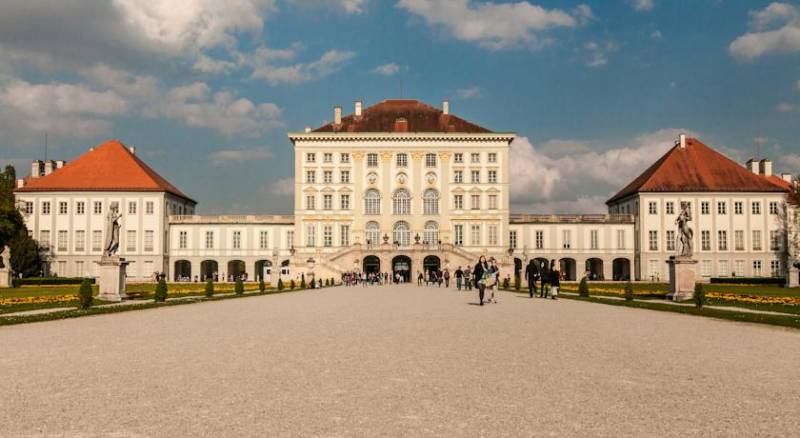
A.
pixel 401 265
pixel 372 264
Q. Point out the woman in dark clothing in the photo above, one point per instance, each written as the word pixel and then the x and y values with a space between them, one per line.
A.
pixel 481 268
pixel 555 283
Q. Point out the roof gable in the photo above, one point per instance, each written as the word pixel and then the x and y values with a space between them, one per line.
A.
pixel 108 167
pixel 418 117
pixel 697 168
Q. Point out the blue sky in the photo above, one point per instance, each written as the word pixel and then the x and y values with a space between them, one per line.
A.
pixel 207 91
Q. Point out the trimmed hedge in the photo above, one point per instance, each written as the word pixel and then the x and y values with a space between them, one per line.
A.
pixel 49 281
pixel 779 281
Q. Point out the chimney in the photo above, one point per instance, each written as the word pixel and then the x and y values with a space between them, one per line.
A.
pixel 358 108
pixel 682 140
pixel 765 167
pixel 787 177
pixel 20 183
pixel 60 164
pixel 307 129
pixel 49 165
pixel 37 167
pixel 752 165
pixel 132 149
pixel 400 125
pixel 337 115
pixel 446 107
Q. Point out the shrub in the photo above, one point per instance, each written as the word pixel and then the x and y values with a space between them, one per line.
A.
pixel 49 281
pixel 302 281
pixel 210 288
pixel 699 296
pixel 517 282
pixel 85 294
pixel 280 284
pixel 629 291
pixel 583 288
pixel 333 282
pixel 261 285
pixel 238 288
pixel 291 284
pixel 161 291
pixel 775 281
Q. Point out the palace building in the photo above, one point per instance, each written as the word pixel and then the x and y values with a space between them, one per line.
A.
pixel 405 187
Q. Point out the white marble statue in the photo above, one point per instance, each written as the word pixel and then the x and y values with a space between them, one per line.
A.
pixel 685 231
pixel 6 258
pixel 112 230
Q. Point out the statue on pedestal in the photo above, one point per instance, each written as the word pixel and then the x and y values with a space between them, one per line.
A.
pixel 5 261
pixel 682 272
pixel 685 231
pixel 112 230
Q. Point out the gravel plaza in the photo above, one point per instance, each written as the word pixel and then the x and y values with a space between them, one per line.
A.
pixel 398 360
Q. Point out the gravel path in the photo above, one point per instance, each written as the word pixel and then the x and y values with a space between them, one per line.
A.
pixel 398 361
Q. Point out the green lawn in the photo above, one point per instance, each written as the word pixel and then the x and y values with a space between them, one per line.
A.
pixel 659 288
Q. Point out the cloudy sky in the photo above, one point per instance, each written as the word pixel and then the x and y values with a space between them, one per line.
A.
pixel 207 90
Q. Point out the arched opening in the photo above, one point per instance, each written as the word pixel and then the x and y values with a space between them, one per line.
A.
pixel 285 268
pixel 402 265
pixel 431 264
pixel 402 233
pixel 236 269
pixel 567 268
pixel 430 202
pixel 430 236
pixel 622 269
pixel 401 202
pixel 183 270
pixel 209 269
pixel 372 264
pixel 594 269
pixel 372 202
pixel 372 233
pixel 263 270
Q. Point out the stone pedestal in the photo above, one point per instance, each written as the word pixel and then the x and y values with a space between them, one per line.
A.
pixel 111 279
pixel 682 277
pixel 5 277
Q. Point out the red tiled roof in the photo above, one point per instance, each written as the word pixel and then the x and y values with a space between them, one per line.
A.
pixel 419 116
pixel 698 168
pixel 109 167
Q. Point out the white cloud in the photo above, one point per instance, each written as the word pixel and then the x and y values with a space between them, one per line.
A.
pixel 469 93
pixel 389 69
pixel 347 6
pixel 270 65
pixel 282 187
pixel 236 156
pixel 797 86
pixel 785 107
pixel 494 26
pixel 353 6
pixel 569 176
pixel 774 29
pixel 597 53
pixel 642 5
pixel 656 35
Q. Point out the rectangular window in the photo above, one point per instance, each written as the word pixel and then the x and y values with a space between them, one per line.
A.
pixel 98 207
pixel 311 176
pixel 327 202
pixel 492 157
pixel 97 240
pixel 738 240
pixel 593 239
pixel 705 268
pixel 722 240
pixel 723 270
pixel 148 207
pixel 475 176
pixel 756 207
pixel 492 176
pixel 311 157
pixel 475 234
pixel 654 271
pixel 290 239
pixel 670 207
pixel 130 243
pixel 653 240
pixel 476 202
pixel 620 239
pixel 475 158
pixel 183 238
pixel 344 235
pixel 46 207
pixel 458 202
pixel 310 202
pixel 62 241
pixel 401 160
pixel 774 240
pixel 327 176
pixel 311 235
pixel 62 268
pixel 237 240
pixel 62 207
pixel 28 207
pixel 263 239
pixel 372 160
pixel 722 208
pixel 670 240
pixel 756 268
pixel 775 268
pixel 738 268
pixel 44 238
pixel 458 176
pixel 344 177
pixel 344 157
pixel 209 240
pixel 705 208
pixel 458 231
pixel 149 237
pixel 79 271
pixel 652 208
pixel 566 239
pixel 131 207
pixel 773 208
pixel 327 236
pixel 539 239
pixel 492 230
pixel 757 240
pixel 492 202
pixel 738 207
pixel 80 207
pixel 512 239
pixel 80 240
pixel 327 157
pixel 430 160
pixel 344 202
pixel 458 157
pixel 705 240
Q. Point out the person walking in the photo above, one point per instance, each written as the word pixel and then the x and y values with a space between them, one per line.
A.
pixel 482 275
pixel 446 276
pixel 459 274
pixel 495 272
pixel 555 283
pixel 468 278
pixel 545 278
pixel 531 276
pixel 419 278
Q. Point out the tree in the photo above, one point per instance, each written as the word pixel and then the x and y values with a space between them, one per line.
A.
pixel 238 288
pixel 209 288
pixel 629 291
pixel 161 291
pixel 291 284
pixel 302 281
pixel 85 294
pixel 11 221
pixel 280 284
pixel 583 288
pixel 27 256
pixel 699 296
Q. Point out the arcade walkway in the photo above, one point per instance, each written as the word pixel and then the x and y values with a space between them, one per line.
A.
pixel 397 361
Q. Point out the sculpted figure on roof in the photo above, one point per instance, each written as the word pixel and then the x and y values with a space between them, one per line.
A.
pixel 112 230
pixel 685 231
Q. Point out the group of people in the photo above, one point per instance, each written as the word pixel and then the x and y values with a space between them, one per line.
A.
pixel 548 278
